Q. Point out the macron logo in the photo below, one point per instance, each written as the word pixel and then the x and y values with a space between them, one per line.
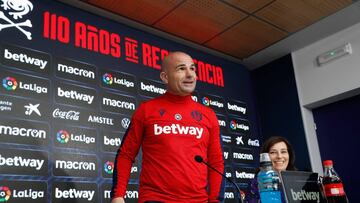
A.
pixel 178 129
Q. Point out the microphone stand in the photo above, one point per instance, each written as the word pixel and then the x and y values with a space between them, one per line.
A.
pixel 199 159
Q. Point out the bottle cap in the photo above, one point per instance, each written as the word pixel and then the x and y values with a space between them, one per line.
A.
pixel 328 163
pixel 264 157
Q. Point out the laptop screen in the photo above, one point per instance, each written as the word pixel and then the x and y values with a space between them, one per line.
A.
pixel 301 186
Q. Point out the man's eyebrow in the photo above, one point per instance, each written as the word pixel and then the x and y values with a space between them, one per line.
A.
pixel 183 64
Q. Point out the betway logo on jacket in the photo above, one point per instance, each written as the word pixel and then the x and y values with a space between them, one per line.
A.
pixel 177 129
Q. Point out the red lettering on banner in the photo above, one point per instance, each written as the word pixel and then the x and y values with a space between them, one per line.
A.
pixel 56 27
pixel 131 53
pixel 97 40
pixel 209 73
pixel 152 55
pixel 91 38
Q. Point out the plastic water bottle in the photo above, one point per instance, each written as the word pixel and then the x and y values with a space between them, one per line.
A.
pixel 268 181
pixel 332 184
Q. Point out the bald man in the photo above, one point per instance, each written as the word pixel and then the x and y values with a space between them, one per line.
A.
pixel 171 130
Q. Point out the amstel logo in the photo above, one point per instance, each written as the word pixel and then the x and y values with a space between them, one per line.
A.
pixel 10 83
pixel 233 125
pixel 62 136
pixel 5 193
pixel 107 78
pixel 205 101
pixel 109 167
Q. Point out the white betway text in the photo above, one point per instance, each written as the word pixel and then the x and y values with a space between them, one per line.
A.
pixel 177 129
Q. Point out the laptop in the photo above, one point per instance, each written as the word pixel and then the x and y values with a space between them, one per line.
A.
pixel 301 187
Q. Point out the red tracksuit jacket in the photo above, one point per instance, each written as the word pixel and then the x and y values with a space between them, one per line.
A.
pixel 171 130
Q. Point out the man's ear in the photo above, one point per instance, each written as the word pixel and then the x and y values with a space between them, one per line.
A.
pixel 163 77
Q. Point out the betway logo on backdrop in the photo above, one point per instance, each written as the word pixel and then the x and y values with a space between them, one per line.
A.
pixel 244 175
pixel 75 95
pixel 151 88
pixel 24 86
pixel 74 192
pixel 25 59
pixel 76 71
pixel 178 130
pixel 236 108
pixel 23 191
pixel 23 162
pixel 117 103
pixel 215 102
pixel 111 141
pixel 118 81
pixel 78 165
pixel 242 155
pixel 24 132
pixel 75 137
pixel 226 153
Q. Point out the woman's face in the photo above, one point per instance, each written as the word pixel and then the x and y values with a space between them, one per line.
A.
pixel 279 156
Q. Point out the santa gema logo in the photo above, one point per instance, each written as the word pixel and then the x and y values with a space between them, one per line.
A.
pixel 5 193
pixel 16 9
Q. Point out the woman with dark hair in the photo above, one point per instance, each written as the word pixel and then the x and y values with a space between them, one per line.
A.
pixel 282 157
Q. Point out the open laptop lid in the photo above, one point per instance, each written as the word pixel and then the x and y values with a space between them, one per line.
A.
pixel 301 186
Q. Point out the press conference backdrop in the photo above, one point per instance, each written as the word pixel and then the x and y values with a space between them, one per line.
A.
pixel 71 81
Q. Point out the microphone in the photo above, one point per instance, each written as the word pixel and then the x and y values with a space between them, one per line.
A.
pixel 199 159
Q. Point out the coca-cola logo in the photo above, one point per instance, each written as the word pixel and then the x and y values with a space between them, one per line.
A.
pixel 67 115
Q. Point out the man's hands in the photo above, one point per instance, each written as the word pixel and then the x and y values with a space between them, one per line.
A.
pixel 118 200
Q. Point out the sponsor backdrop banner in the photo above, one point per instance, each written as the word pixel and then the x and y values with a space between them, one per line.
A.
pixel 71 81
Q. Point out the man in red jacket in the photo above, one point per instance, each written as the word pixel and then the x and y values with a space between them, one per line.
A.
pixel 171 130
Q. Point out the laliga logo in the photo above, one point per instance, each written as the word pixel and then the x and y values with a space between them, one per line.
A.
pixel 233 125
pixel 62 136
pixel 107 78
pixel 17 9
pixel 205 101
pixel 5 193
pixel 109 167
pixel 10 83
